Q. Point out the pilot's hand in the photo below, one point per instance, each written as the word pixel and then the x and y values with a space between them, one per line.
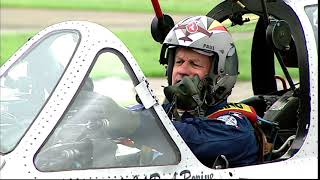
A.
pixel 121 120
pixel 95 107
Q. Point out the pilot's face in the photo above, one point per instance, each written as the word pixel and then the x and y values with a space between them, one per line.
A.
pixel 190 63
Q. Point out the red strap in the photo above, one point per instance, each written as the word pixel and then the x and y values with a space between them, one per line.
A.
pixel 244 109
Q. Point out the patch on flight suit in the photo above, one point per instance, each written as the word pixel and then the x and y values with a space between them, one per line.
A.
pixel 228 120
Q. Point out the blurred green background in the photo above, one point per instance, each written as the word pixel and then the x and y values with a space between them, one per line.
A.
pixel 146 53
pixel 168 6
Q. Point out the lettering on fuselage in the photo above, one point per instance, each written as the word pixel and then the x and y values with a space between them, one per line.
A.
pixel 185 174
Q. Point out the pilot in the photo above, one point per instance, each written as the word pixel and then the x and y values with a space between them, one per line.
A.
pixel 202 68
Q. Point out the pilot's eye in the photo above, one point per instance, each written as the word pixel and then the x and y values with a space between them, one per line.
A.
pixel 195 64
pixel 179 62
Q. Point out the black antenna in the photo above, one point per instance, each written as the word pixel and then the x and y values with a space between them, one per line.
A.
pixel 161 24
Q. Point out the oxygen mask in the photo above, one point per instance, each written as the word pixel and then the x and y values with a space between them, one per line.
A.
pixel 187 94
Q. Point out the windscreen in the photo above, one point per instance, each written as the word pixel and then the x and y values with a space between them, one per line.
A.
pixel 27 84
pixel 312 13
pixel 106 127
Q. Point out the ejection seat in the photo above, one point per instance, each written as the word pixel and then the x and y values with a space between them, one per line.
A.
pixel 278 118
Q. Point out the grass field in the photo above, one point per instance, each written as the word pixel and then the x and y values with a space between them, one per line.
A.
pixel 168 6
pixel 146 53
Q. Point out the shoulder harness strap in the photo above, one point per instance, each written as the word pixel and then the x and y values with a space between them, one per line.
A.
pixel 246 110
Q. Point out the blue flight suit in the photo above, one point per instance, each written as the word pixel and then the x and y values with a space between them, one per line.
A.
pixel 230 134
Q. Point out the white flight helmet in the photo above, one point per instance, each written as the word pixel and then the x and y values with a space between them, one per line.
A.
pixel 207 36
